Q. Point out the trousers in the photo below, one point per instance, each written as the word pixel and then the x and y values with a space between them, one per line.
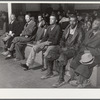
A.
pixel 35 49
pixel 61 62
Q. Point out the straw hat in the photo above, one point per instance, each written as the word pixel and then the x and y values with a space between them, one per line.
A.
pixel 87 58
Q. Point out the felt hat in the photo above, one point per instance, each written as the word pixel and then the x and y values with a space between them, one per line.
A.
pixel 87 58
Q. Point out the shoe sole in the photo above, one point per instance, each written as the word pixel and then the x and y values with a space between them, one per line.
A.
pixel 16 59
pixel 73 83
pixel 56 86
pixel 8 58
pixel 25 69
pixel 49 77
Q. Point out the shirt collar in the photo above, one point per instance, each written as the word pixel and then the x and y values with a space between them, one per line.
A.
pixel 73 28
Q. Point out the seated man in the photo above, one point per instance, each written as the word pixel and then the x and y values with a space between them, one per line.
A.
pixel 41 27
pixel 3 23
pixel 69 46
pixel 63 21
pixel 25 36
pixel 13 31
pixel 87 58
pixel 50 40
pixel 38 36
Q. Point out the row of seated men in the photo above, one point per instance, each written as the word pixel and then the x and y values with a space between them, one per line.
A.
pixel 83 48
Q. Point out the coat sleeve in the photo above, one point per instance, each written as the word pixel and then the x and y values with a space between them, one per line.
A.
pixel 95 51
pixel 80 39
pixel 57 37
pixel 15 28
pixel 46 36
pixel 30 29
pixel 62 41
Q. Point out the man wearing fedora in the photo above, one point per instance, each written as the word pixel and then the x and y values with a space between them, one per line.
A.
pixel 88 56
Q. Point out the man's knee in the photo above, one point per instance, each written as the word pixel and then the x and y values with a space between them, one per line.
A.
pixel 62 58
pixel 16 39
pixel 36 48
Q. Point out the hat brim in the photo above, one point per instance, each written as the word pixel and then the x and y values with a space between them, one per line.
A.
pixel 87 63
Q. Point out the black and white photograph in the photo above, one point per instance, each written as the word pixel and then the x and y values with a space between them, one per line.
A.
pixel 49 45
pixel 49 50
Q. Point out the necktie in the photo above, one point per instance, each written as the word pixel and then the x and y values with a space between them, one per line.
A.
pixel 26 24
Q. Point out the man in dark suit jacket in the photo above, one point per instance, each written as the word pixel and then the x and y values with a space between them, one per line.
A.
pixel 50 40
pixel 90 45
pixel 69 46
pixel 26 35
pixel 13 31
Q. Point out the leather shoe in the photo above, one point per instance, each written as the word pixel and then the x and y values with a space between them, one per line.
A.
pixel 47 76
pixel 43 69
pixel 15 59
pixel 8 57
pixel 58 84
pixel 25 66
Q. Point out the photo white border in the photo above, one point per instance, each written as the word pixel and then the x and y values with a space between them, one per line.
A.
pixel 59 93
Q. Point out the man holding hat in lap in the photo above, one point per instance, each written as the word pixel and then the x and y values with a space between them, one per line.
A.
pixel 88 56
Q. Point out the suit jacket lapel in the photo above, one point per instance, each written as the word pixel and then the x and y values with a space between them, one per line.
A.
pixel 87 36
pixel 26 27
pixel 74 36
pixel 66 32
pixel 93 38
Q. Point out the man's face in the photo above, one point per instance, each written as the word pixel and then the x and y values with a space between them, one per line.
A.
pixel 27 18
pixel 73 22
pixel 12 17
pixel 52 20
pixel 86 18
pixel 96 24
pixel 60 17
pixel 40 18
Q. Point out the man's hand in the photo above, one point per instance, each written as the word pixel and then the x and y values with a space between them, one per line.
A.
pixel 86 51
pixel 20 34
pixel 47 43
pixel 12 34
pixel 64 49
pixel 37 42
pixel 26 36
